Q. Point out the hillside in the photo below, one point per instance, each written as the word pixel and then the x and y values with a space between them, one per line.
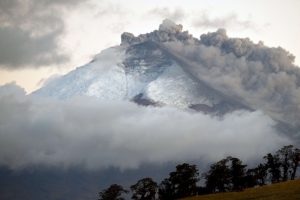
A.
pixel 279 191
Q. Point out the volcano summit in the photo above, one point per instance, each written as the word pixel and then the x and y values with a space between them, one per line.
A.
pixel 213 74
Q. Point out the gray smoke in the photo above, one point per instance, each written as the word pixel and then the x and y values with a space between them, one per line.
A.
pixel 262 77
pixel 83 132
pixel 168 31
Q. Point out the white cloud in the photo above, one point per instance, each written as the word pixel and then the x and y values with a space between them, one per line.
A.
pixel 84 132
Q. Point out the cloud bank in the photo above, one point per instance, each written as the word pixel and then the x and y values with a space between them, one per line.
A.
pixel 83 132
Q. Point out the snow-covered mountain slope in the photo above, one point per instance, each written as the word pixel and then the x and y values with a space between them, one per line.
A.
pixel 101 77
pixel 143 73
pixel 170 67
pixel 147 74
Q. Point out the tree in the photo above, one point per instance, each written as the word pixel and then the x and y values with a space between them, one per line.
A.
pixel 274 167
pixel 144 189
pixel 218 177
pixel 286 161
pixel 261 174
pixel 249 180
pixel 181 183
pixel 295 158
pixel 284 155
pixel 226 175
pixel 114 192
pixel 166 190
pixel 237 174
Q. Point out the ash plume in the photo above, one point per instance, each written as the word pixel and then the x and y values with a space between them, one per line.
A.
pixel 168 31
pixel 261 77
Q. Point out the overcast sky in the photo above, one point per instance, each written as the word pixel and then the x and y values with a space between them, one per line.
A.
pixel 40 38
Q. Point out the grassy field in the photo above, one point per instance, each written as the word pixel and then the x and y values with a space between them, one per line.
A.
pixel 286 190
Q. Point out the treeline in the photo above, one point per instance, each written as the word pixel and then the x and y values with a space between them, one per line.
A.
pixel 229 174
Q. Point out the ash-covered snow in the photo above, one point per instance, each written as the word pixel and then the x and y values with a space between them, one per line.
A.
pixel 175 88
pixel 123 72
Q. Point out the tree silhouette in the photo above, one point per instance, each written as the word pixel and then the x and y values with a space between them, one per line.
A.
pixel 249 180
pixel 261 174
pixel 295 158
pixel 284 155
pixel 114 192
pixel 274 167
pixel 144 189
pixel 218 177
pixel 226 175
pixel 166 190
pixel 181 183
pixel 237 174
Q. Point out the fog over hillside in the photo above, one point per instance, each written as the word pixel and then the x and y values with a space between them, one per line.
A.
pixel 83 132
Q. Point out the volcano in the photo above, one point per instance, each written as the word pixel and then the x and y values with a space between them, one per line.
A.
pixel 167 67
pixel 148 74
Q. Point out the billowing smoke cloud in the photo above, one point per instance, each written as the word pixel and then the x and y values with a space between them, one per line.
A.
pixel 30 30
pixel 83 132
pixel 262 77
pixel 168 31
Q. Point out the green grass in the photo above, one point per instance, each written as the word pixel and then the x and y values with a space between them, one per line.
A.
pixel 279 191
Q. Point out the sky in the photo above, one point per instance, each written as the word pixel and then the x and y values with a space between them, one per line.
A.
pixel 40 39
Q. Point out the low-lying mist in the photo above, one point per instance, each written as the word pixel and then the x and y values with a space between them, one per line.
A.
pixel 84 132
